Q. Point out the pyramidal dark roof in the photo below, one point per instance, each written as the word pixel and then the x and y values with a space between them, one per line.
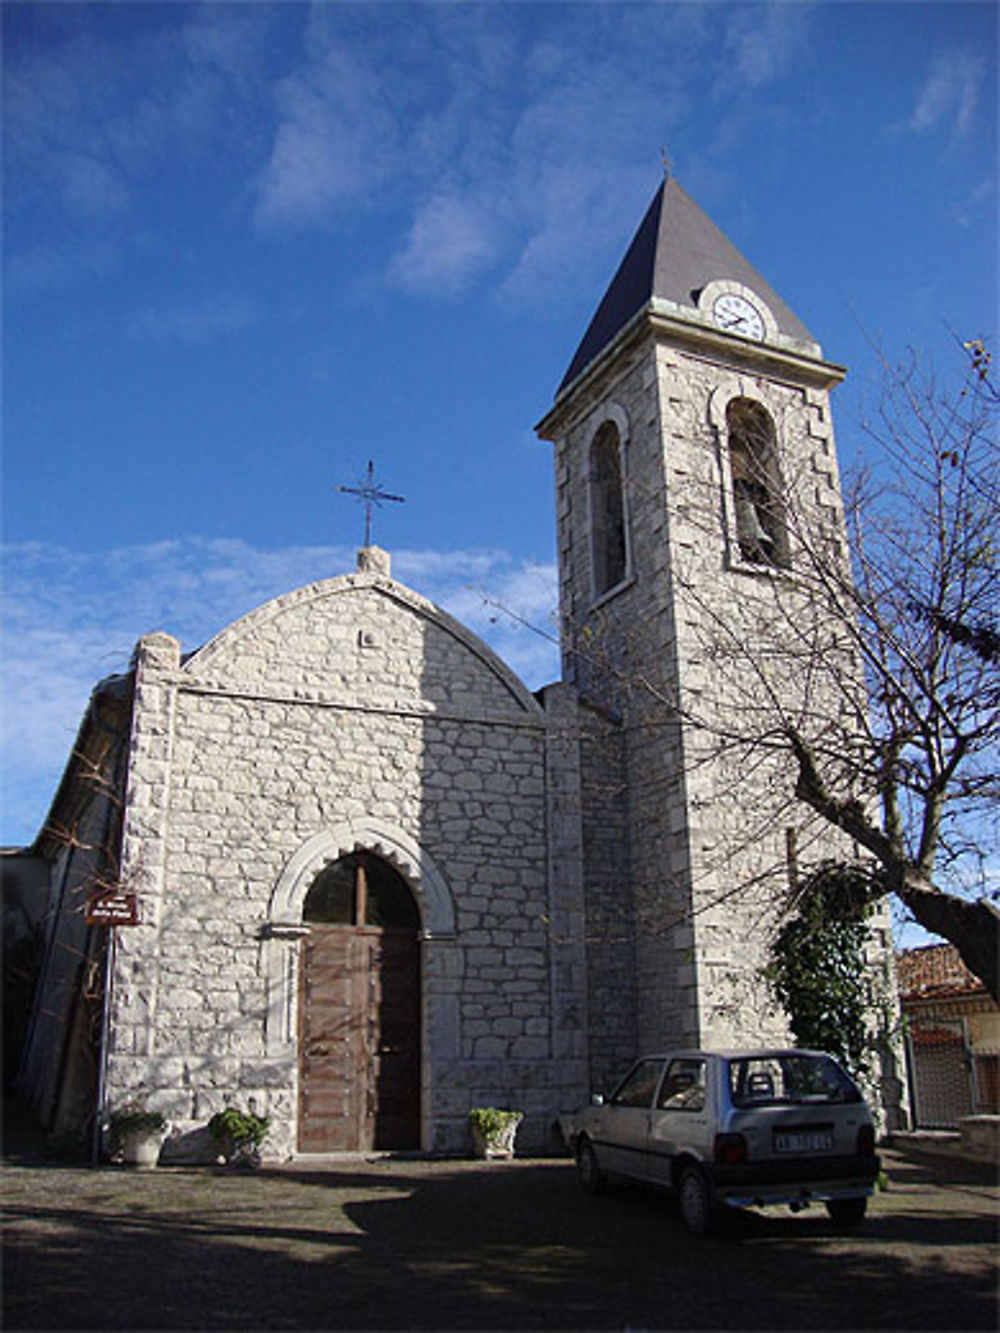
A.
pixel 677 250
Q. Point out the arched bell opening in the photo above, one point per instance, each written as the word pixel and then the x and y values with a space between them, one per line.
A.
pixel 609 549
pixel 359 1010
pixel 759 512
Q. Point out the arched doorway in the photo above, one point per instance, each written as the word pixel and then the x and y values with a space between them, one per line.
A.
pixel 359 1010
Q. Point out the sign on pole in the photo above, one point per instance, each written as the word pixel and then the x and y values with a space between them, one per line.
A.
pixel 113 908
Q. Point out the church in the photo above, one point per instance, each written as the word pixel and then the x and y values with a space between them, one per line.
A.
pixel 339 866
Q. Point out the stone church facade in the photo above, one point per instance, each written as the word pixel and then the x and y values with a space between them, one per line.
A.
pixel 379 881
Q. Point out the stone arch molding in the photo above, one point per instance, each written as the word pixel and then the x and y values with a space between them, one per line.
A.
pixel 609 412
pixel 437 908
pixel 614 413
pixel 736 386
pixel 730 388
pixel 284 926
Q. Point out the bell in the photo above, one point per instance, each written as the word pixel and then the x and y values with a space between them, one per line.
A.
pixel 748 525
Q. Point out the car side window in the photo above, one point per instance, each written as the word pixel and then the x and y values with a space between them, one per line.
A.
pixel 684 1087
pixel 638 1086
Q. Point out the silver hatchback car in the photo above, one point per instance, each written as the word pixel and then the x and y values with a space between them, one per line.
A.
pixel 733 1129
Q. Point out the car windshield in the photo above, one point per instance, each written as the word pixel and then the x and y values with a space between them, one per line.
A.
pixel 767 1080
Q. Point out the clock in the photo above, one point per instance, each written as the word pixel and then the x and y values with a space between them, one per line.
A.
pixel 735 314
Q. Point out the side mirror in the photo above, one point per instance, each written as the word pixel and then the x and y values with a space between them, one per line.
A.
pixel 597 1099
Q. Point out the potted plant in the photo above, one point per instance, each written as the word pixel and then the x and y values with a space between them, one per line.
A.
pixel 239 1135
pixel 493 1131
pixel 137 1133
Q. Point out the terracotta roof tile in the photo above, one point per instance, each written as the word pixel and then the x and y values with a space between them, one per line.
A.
pixel 935 969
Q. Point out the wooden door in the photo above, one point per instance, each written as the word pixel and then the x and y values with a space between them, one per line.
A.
pixel 394 1038
pixel 359 1040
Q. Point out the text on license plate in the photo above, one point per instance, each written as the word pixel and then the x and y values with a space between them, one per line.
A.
pixel 800 1140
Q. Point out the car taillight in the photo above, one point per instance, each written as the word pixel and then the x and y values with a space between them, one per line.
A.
pixel 729 1149
pixel 866 1140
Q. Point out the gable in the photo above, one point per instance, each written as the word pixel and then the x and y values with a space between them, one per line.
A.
pixel 360 640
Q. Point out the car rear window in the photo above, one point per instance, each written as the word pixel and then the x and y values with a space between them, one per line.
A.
pixel 768 1080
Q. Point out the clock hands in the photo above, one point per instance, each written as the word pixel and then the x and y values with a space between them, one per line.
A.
pixel 735 314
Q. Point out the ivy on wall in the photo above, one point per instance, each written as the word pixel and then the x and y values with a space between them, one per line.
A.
pixel 817 967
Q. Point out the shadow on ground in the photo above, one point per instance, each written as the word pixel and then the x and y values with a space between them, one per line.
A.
pixel 457 1245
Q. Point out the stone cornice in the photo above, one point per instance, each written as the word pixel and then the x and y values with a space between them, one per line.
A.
pixel 690 330
pixel 422 711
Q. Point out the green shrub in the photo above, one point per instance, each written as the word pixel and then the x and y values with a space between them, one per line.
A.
pixel 242 1129
pixel 491 1123
pixel 133 1117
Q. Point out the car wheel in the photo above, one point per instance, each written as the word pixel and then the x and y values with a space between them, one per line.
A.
pixel 694 1198
pixel 847 1212
pixel 592 1178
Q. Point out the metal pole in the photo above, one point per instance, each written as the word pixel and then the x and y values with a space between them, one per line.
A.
pixel 102 1069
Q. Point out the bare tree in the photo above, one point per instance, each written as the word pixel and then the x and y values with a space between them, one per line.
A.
pixel 880 683
pixel 921 607
pixel 865 675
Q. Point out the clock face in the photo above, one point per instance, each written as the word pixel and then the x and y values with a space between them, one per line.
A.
pixel 735 314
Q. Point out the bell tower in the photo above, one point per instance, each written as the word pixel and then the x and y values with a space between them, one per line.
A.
pixel 693 447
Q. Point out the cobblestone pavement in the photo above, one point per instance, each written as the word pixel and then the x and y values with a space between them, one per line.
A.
pixel 390 1244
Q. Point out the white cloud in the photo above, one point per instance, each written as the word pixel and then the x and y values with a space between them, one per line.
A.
pixel 482 143
pixel 228 38
pixel 99 110
pixel 512 150
pixel 71 618
pixel 762 41
pixel 449 243
pixel 46 267
pixel 90 186
pixel 967 211
pixel 950 93
pixel 204 322
pixel 455 149
pixel 332 142
pixel 547 267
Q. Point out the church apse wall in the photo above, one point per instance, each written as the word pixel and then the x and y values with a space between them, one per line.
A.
pixel 349 725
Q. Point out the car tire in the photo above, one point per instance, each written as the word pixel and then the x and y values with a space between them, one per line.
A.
pixel 694 1199
pixel 847 1212
pixel 592 1178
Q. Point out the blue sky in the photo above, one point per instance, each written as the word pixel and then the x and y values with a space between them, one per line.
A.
pixel 249 246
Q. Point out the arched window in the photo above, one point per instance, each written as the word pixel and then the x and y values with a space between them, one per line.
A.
pixel 607 509
pixel 760 526
pixel 361 890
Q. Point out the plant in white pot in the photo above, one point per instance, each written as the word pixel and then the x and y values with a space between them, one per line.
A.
pixel 493 1131
pixel 137 1133
pixel 239 1135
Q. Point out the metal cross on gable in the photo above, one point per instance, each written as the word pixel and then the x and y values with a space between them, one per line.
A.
pixel 372 494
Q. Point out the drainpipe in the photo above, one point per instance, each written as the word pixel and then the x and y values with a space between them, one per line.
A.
pixel 102 1069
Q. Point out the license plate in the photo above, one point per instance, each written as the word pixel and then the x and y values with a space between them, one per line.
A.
pixel 801 1140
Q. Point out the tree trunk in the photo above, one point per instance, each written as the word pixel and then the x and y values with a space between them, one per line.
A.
pixel 972 926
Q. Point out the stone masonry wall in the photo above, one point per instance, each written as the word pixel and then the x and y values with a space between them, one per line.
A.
pixel 626 664
pixel 748 636
pixel 351 712
pixel 685 651
pixel 610 905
